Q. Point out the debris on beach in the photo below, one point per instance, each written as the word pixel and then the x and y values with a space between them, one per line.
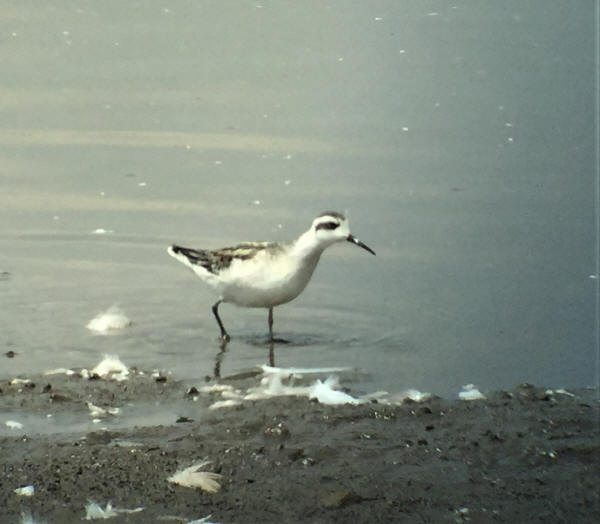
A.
pixel 328 392
pixel 18 381
pixel 192 478
pixel 174 518
pixel 159 376
pixel 281 382
pixel 109 368
pixel 302 371
pixel 215 388
pixel 413 395
pixel 227 391
pixel 397 399
pixel 470 392
pixel 94 511
pixel 59 371
pixel 229 403
pixel 203 520
pixel 113 319
pixel 98 412
pixel 272 385
pixel 559 392
pixel 25 491
pixel 231 397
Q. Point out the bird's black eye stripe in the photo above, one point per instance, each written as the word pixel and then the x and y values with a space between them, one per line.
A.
pixel 327 225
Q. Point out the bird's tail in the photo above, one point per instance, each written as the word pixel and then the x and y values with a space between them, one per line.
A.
pixel 192 258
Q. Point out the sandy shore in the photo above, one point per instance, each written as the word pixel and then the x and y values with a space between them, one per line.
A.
pixel 526 455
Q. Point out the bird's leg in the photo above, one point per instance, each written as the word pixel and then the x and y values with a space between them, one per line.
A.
pixel 215 309
pixel 272 339
pixel 270 324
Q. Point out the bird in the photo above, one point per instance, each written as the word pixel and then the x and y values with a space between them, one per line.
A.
pixel 265 274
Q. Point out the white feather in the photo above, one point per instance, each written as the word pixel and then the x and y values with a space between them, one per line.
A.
pixel 113 319
pixel 110 367
pixel 192 478
pixel 470 392
pixel 325 393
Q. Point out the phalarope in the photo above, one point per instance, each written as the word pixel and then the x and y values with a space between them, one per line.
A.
pixel 265 274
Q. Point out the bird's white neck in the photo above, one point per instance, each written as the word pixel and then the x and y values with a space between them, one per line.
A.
pixel 307 246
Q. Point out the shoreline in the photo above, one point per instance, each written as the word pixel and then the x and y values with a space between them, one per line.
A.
pixel 520 455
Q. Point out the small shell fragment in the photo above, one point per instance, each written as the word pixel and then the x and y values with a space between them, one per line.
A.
pixel 25 491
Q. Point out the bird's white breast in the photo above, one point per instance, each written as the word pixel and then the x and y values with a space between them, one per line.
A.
pixel 266 280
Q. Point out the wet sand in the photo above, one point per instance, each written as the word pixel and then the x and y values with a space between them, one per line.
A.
pixel 526 455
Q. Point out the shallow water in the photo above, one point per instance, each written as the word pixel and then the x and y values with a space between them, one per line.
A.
pixel 458 138
pixel 75 422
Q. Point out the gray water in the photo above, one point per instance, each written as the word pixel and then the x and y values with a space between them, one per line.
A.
pixel 458 137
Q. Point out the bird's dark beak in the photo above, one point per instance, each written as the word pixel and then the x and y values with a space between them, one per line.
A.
pixel 355 240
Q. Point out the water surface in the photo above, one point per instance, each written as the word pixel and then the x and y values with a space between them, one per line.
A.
pixel 458 138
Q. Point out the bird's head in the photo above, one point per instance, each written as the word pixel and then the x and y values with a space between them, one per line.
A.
pixel 331 227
